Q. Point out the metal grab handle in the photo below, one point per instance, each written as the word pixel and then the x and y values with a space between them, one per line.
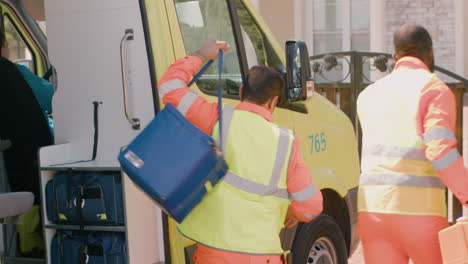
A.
pixel 135 122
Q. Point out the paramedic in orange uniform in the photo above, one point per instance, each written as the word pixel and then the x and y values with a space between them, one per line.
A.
pixel 409 156
pixel 306 201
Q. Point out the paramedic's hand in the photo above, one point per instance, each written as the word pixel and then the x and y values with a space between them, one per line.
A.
pixel 290 220
pixel 210 49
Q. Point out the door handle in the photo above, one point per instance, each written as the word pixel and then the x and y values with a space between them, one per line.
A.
pixel 135 122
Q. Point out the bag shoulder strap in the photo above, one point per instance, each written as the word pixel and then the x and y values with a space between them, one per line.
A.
pixel 220 99
pixel 220 91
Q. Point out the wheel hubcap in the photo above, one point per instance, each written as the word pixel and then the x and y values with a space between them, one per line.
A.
pixel 322 252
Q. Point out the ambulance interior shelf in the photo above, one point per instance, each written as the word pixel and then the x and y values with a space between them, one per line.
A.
pixel 50 156
pixel 54 228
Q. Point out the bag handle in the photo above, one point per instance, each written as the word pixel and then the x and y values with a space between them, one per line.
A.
pixel 220 91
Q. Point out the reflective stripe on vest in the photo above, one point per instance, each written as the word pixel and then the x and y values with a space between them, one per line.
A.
pixel 438 133
pixel 257 188
pixel 396 175
pixel 305 194
pixel 170 86
pixel 310 216
pixel 187 101
pixel 394 151
pixel 227 118
pixel 401 180
pixel 442 133
pixel 245 211
pixel 447 160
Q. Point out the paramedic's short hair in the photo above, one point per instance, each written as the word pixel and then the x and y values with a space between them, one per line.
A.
pixel 413 40
pixel 262 84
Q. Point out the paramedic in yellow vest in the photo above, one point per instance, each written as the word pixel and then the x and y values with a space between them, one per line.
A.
pixel 267 186
pixel 409 156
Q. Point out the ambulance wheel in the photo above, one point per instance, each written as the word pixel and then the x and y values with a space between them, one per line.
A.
pixel 320 242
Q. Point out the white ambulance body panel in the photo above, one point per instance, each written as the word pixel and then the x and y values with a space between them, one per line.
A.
pixel 84 45
pixel 84 40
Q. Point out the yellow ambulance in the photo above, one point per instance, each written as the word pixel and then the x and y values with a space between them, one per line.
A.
pixel 115 51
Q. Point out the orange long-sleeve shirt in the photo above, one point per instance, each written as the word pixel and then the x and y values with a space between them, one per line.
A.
pixel 173 89
pixel 436 121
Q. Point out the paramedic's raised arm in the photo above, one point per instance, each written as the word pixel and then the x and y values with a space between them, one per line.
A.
pixel 172 87
pixel 307 201
pixel 437 125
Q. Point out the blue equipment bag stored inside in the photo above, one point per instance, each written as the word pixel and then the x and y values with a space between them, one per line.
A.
pixel 98 193
pixel 175 162
pixel 80 247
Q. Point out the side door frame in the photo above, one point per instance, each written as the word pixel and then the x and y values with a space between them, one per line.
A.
pixel 156 66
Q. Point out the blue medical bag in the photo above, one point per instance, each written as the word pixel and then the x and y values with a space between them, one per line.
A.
pixel 80 247
pixel 173 161
pixel 99 193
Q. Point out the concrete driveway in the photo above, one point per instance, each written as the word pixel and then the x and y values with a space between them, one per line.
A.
pixel 357 257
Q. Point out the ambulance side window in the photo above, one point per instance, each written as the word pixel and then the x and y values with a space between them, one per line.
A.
pixel 200 20
pixel 258 49
pixel 18 50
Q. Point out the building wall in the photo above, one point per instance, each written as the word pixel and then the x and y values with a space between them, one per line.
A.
pixel 446 21
pixel 461 37
pixel 279 15
pixel 437 16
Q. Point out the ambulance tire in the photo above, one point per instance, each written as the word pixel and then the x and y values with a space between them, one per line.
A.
pixel 319 241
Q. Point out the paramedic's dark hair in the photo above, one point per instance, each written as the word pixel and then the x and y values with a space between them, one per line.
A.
pixel 262 84
pixel 412 40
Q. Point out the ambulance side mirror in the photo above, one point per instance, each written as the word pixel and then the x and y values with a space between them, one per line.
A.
pixel 299 84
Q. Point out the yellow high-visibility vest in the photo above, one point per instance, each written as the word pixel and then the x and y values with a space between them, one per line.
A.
pixel 245 211
pixel 396 176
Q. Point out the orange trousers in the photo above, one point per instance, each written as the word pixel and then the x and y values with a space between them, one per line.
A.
pixel 206 255
pixel 395 239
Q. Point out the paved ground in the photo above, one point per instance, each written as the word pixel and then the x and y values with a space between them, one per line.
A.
pixel 357 257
